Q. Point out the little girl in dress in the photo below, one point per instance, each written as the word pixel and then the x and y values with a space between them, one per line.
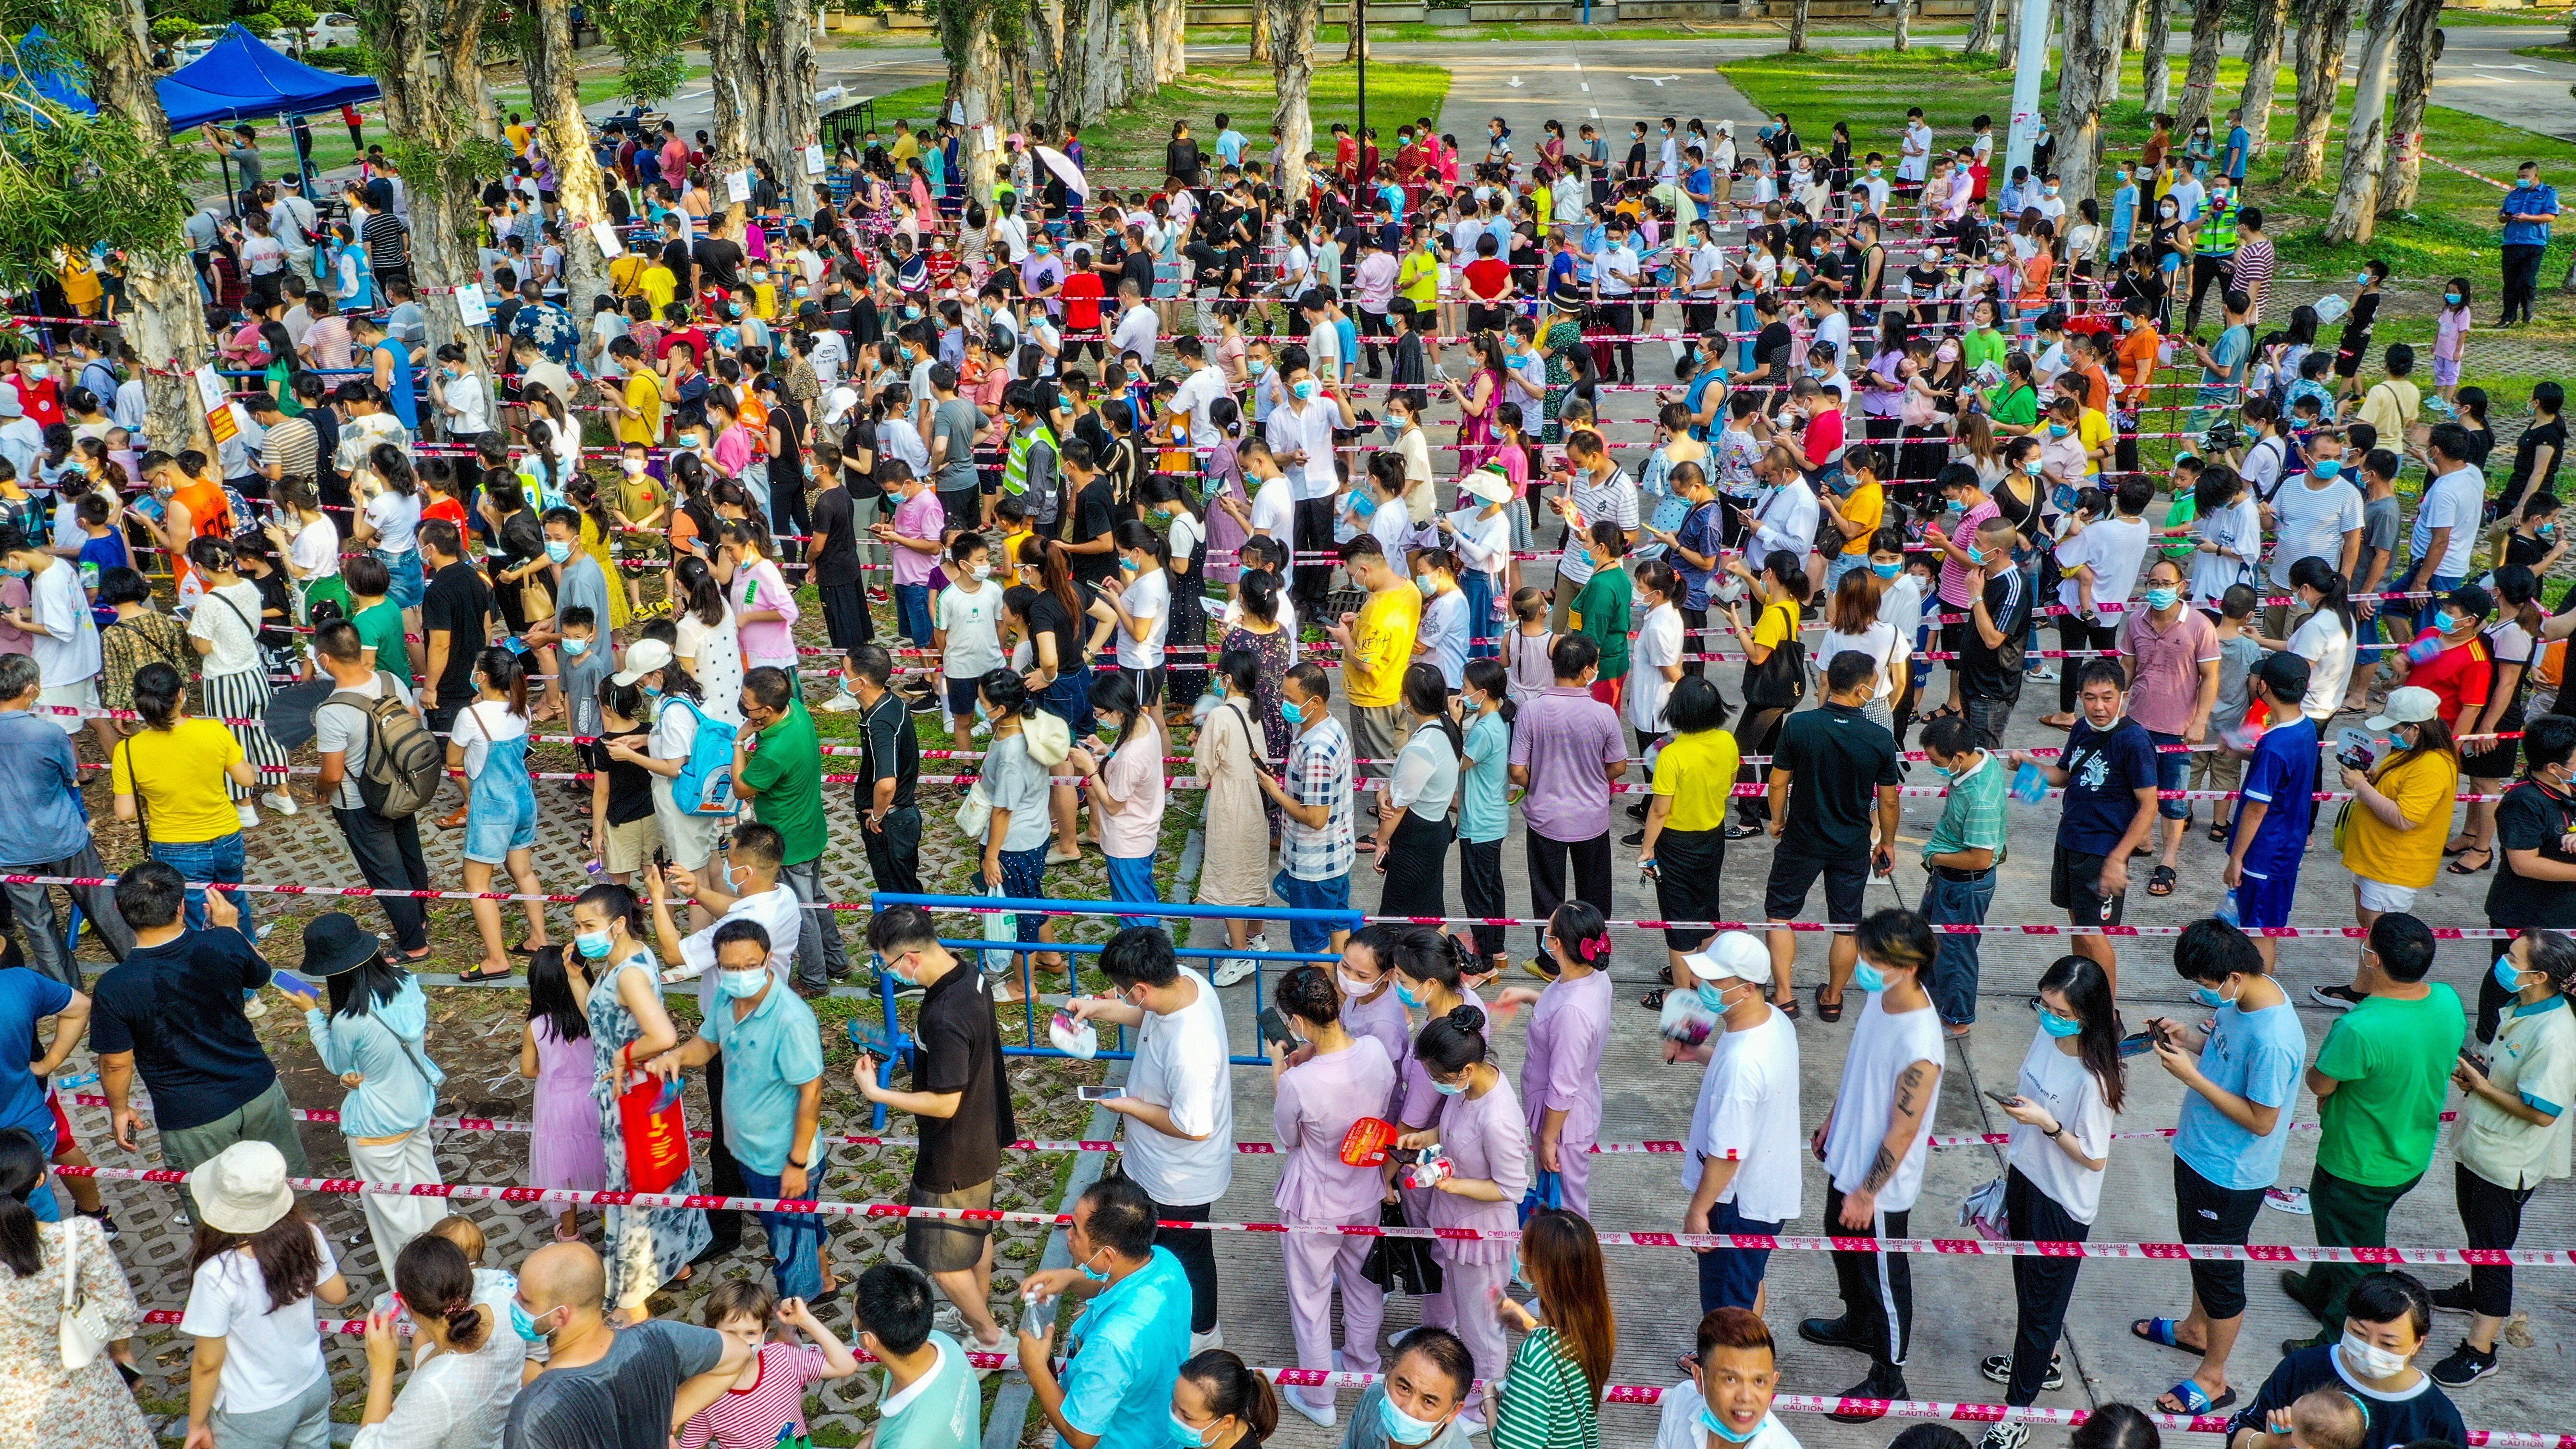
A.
pixel 564 1149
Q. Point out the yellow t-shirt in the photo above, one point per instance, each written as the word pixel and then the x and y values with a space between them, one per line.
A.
pixel 626 274
pixel 659 286
pixel 1696 772
pixel 903 149
pixel 518 135
pixel 764 300
pixel 2390 406
pixel 1382 646
pixel 2422 788
pixel 644 394
pixel 2094 431
pixel 1777 626
pixel 182 770
pixel 1866 505
pixel 1417 276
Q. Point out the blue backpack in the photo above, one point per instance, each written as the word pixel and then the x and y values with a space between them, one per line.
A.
pixel 704 785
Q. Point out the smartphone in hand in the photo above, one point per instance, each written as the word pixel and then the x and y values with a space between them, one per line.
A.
pixel 1098 1094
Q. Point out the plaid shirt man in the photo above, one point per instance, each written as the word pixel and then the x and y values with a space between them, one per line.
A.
pixel 1319 773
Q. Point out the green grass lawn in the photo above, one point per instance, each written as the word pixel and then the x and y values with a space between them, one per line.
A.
pixel 1134 136
pixel 2555 15
pixel 2547 52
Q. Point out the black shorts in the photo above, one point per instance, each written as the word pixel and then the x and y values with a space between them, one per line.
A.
pixel 1148 684
pixel 964 507
pixel 2075 887
pixel 1793 874
pixel 2204 1212
pixel 845 616
pixel 1689 864
pixel 962 695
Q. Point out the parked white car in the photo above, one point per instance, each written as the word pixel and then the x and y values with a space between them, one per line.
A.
pixel 332 30
pixel 195 46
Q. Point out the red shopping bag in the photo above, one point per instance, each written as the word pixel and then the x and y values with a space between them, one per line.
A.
pixel 657 1139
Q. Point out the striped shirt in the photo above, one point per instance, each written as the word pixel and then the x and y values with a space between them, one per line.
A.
pixel 1972 815
pixel 2253 271
pixel 1547 1403
pixel 1319 773
pixel 751 1418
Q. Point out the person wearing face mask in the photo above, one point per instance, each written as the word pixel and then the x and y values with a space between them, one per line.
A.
pixel 2381 1079
pixel 2367 1360
pixel 490 742
pixel 469 1364
pixel 770 1106
pixel 1725 1403
pixel 1417 1405
pixel 604 1382
pixel 1123 1356
pixel 2452 657
pixel 2533 867
pixel 1486 1141
pixel 2526 212
pixel 778 767
pixel 2241 1077
pixel 372 1038
pixel 1959 862
pixel 2070 1087
pixel 1740 1163
pixel 961 1102
pixel 1325 1080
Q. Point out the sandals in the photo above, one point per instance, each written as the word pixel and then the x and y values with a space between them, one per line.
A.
pixel 524 949
pixel 479 976
pixel 2160 882
pixel 1652 1001
pixel 2218 832
pixel 1665 975
pixel 1827 1011
pixel 2461 866
pixel 2189 1398
pixel 2163 1332
pixel 1788 1008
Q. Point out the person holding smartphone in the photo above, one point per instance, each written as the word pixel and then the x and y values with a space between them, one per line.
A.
pixel 2108 771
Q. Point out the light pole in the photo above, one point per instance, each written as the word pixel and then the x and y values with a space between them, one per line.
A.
pixel 1359 41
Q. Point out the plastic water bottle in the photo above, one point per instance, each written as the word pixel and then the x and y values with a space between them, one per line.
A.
pixel 2227 910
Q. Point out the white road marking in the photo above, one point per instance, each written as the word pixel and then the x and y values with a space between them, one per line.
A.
pixel 1514 82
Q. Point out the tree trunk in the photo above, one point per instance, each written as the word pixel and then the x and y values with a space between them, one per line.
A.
pixel 1108 30
pixel 1798 27
pixel 2091 55
pixel 1170 30
pixel 974 78
pixel 1903 37
pixel 1292 71
pixel 2156 89
pixel 733 77
pixel 1069 81
pixel 2200 79
pixel 1358 40
pixel 2365 136
pixel 2008 54
pixel 2404 170
pixel 2323 32
pixel 432 94
pixel 1258 53
pixel 1981 29
pixel 794 118
pixel 2262 73
pixel 554 97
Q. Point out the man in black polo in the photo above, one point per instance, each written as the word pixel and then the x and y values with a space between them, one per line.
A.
pixel 1832 763
pixel 962 1097
pixel 1990 646
pixel 889 774
pixel 456 615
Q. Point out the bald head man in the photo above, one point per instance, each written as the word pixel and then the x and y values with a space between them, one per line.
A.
pixel 605 1387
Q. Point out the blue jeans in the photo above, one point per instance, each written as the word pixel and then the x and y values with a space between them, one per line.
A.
pixel 2428 612
pixel 2171 769
pixel 1313 895
pixel 1731 1277
pixel 795 1239
pixel 403 570
pixel 912 613
pixel 1133 880
pixel 219 859
pixel 1949 902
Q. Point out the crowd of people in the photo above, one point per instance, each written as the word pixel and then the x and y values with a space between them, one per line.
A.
pixel 1909 422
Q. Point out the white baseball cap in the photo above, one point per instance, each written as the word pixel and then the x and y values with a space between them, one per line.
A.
pixel 1734 955
pixel 2413 704
pixel 642 658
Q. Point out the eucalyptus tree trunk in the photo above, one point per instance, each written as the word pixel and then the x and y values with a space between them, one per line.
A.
pixel 165 318
pixel 2365 136
pixel 1798 27
pixel 974 83
pixel 1358 36
pixel 734 77
pixel 2323 32
pixel 2200 77
pixel 1981 28
pixel 2404 170
pixel 1170 28
pixel 2262 74
pixel 2008 54
pixel 432 95
pixel 2156 88
pixel 1258 52
pixel 794 119
pixel 1903 36
pixel 554 96
pixel 1292 72
pixel 2090 58
pixel 1070 84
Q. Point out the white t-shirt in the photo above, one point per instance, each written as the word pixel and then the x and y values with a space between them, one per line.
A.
pixel 1678 1426
pixel 714 656
pixel 68 652
pixel 1135 333
pixel 1196 391
pixel 2113 548
pixel 1883 1045
pixel 481 725
pixel 2451 501
pixel 1901 606
pixel 2310 522
pixel 2238 528
pixel 2073 1095
pixel 1274 510
pixel 270 1358
pixel 1659 642
pixel 1149 600
pixel 1187 533
pixel 344 731
pixel 1879 641
pixel 973 623
pixel 2263 464
pixel 1748 1106
pixel 2326 644
pixel 229 618
pixel 1392 526
pixel 316 549
pixel 1181 1065
pixel 395 518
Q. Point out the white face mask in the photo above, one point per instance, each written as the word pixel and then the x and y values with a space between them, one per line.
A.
pixel 2368 1359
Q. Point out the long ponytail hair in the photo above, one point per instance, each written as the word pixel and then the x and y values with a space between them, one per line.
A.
pixel 2518 589
pixel 22 1173
pixel 1426 693
pixel 1235 1392
pixel 508 674
pixel 2317 574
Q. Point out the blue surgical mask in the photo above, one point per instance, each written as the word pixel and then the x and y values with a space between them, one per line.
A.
pixel 591 944
pixel 1304 389
pixel 1976 556
pixel 2034 463
pixel 1713 998
pixel 1408 998
pixel 743 985
pixel 1096 1275
pixel 1449 1089
pixel 558 550
pixel 1708 1419
pixel 524 1326
pixel 1428 585
pixel 2055 430
pixel 1887 571
pixel 2361 279
pixel 576 647
pixel 2451 297
pixel 2163 598
pixel 2056 1025
pixel 2208 996
pixel 1187 1437
pixel 2508 975
pixel 1868 977
pixel 1128 565
pixel 1403 1428
pixel 1289 711
pixel 2326 468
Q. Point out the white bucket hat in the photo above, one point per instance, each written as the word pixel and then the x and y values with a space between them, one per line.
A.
pixel 242 1189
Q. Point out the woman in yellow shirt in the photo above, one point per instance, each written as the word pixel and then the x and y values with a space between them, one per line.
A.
pixel 2392 831
pixel 1684 849
pixel 1775 669
pixel 169 777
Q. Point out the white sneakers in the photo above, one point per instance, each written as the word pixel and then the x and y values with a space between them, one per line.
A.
pixel 841 703
pixel 1229 970
pixel 279 801
pixel 247 813
pixel 1202 1342
pixel 1324 1417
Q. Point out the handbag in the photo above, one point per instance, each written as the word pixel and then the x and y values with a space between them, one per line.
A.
pixel 656 1137
pixel 85 1331
pixel 1401 1265
pixel 1546 1190
pixel 1780 680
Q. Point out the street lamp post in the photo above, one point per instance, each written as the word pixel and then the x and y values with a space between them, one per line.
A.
pixel 1359 39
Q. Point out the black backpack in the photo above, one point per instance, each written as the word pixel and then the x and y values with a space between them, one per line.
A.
pixel 405 762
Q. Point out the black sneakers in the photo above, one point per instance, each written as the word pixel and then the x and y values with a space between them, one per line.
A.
pixel 2464 1367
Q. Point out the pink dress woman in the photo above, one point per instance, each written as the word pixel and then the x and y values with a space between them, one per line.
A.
pixel 564 1147
pixel 1562 1072
pixel 1316 1103
pixel 1483 1137
pixel 1224 474
pixel 1476 433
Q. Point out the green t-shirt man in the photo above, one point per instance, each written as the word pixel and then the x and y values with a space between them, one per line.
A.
pixel 2394 1059
pixel 380 627
pixel 785 776
pixel 942 1409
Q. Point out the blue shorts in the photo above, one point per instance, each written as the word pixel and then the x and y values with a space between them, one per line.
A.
pixel 1024 878
pixel 1132 879
pixel 403 571
pixel 2171 770
pixel 1313 895
pixel 962 695
pixel 2264 900
pixel 1730 1277
pixel 500 822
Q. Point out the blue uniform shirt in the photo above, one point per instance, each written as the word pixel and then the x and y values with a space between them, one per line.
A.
pixel 2522 201
pixel 1124 1354
pixel 2282 775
